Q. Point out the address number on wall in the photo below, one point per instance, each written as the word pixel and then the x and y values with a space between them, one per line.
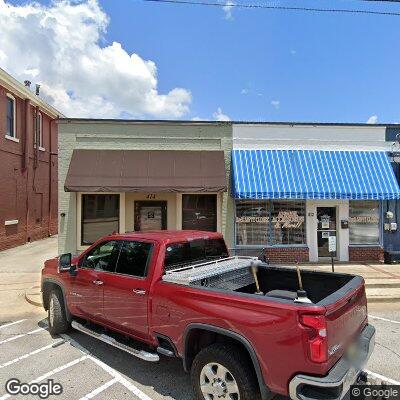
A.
pixel 151 196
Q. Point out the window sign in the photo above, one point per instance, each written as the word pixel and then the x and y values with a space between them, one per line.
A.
pixel 325 219
pixel 332 244
pixel 364 219
pixel 266 222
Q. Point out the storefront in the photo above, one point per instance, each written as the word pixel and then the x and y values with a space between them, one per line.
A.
pixel 109 183
pixel 291 204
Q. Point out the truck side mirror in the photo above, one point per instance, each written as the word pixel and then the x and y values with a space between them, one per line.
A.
pixel 64 262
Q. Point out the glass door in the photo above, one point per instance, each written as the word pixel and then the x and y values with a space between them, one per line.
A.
pixel 326 227
pixel 150 215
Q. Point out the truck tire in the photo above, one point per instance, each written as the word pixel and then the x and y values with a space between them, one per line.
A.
pixel 58 322
pixel 222 371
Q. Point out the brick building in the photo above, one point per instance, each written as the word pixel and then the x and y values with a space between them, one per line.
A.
pixel 28 165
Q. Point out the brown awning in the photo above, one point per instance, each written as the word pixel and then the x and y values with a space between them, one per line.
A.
pixel 146 171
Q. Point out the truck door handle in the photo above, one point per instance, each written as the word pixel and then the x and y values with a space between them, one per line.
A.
pixel 139 292
pixel 98 282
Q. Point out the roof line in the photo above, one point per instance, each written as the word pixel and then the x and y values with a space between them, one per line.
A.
pixel 210 122
pixel 13 85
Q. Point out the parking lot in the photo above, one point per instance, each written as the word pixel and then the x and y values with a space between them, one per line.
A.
pixel 87 368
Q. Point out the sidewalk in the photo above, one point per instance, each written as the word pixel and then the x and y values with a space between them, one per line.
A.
pixel 20 272
pixel 382 281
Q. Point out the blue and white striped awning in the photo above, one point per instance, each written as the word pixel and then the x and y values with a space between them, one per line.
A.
pixel 313 174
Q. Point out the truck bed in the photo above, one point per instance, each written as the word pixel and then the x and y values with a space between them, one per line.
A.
pixel 234 274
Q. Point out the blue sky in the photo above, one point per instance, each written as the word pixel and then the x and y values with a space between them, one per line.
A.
pixel 268 65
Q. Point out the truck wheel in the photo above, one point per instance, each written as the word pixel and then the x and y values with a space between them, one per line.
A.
pixel 223 372
pixel 58 322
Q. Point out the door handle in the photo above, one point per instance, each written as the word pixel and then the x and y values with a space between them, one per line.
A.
pixel 139 292
pixel 98 282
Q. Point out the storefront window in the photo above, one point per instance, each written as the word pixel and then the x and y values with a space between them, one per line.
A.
pixel 288 222
pixel 199 211
pixel 252 221
pixel 100 216
pixel 270 223
pixel 364 222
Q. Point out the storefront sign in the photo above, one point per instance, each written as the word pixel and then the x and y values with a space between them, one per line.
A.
pixel 284 220
pixel 364 219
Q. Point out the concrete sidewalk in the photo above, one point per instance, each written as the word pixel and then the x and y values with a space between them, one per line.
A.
pixel 382 282
pixel 20 272
pixel 20 279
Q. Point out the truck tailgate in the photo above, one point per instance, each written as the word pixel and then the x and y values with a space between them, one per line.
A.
pixel 346 316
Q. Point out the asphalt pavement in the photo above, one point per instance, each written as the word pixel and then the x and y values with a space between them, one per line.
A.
pixel 87 368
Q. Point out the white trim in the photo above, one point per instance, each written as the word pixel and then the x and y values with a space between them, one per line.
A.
pixel 121 224
pixel 14 133
pixel 11 222
pixel 42 149
pixel 11 84
pixel 14 139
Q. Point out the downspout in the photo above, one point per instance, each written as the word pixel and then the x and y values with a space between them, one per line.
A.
pixel 36 141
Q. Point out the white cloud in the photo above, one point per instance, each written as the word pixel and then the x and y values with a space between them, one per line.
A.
pixel 228 10
pixel 276 104
pixel 373 119
pixel 59 47
pixel 293 52
pixel 220 116
pixel 244 91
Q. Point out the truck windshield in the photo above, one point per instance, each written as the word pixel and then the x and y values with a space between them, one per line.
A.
pixel 187 253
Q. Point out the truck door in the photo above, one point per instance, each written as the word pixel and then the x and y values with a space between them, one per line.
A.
pixel 88 285
pixel 126 291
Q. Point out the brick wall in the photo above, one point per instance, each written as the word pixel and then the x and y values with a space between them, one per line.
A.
pixel 28 183
pixel 372 254
pixel 278 255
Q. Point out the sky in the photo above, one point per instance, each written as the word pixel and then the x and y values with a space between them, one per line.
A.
pixel 136 59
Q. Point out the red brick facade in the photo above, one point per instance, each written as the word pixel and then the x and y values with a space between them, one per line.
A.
pixel 371 254
pixel 28 176
pixel 279 255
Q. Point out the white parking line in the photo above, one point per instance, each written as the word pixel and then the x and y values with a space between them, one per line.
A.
pixel 100 389
pixel 50 373
pixel 384 319
pixel 12 323
pixel 128 385
pixel 382 377
pixel 21 335
pixel 15 360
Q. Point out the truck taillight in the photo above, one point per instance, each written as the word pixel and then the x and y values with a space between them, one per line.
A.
pixel 318 342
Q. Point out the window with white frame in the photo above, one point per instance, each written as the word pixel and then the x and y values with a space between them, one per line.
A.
pixel 39 131
pixel 270 222
pixel 100 216
pixel 11 116
pixel 364 222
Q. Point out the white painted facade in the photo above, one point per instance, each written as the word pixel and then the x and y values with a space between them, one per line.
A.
pixel 314 137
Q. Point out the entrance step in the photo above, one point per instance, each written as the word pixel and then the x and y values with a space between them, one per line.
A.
pixel 382 283
pixel 383 295
pixel 142 354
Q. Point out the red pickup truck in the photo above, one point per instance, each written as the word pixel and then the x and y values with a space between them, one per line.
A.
pixel 240 326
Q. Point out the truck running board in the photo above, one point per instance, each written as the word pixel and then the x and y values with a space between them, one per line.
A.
pixel 142 354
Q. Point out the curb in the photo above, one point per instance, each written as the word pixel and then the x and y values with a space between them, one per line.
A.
pixel 30 295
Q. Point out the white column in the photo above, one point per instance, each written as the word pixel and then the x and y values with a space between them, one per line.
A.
pixel 122 213
pixel 343 234
pixel 311 229
pixel 178 211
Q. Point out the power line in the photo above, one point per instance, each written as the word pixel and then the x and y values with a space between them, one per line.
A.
pixel 286 8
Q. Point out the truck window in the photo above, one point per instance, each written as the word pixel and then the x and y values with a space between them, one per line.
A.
pixel 103 257
pixel 134 258
pixel 195 251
